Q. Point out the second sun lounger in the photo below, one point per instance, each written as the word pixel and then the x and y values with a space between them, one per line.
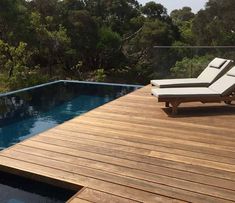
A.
pixel 213 71
pixel 223 90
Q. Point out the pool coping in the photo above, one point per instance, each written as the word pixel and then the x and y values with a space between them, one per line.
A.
pixel 68 81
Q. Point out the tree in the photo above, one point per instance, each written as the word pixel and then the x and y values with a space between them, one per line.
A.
pixel 52 45
pixel 183 18
pixel 111 40
pixel 215 25
pixel 148 62
pixel 108 48
pixel 69 5
pixel 8 11
pixel 45 7
pixel 154 11
pixel 15 61
pixel 115 14
pixel 182 15
pixel 83 31
pixel 13 19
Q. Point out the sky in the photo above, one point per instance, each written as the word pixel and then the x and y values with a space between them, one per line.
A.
pixel 196 5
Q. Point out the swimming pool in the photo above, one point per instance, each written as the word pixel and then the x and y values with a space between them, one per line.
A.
pixel 30 111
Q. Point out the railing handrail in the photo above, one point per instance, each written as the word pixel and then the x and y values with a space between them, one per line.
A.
pixel 195 47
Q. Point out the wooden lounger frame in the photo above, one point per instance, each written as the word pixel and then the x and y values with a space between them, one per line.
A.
pixel 176 101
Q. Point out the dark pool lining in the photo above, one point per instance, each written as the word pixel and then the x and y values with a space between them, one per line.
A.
pixel 37 177
pixel 38 187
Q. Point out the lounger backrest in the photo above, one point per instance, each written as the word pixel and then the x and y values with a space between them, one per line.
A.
pixel 226 84
pixel 215 70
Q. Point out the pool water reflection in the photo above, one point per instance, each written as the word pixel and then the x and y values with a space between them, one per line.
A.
pixel 28 113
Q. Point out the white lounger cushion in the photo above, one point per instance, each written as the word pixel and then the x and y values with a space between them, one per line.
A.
pixel 192 82
pixel 222 87
pixel 187 92
pixel 217 63
pixel 231 72
pixel 210 74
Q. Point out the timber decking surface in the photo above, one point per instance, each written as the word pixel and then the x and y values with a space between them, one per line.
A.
pixel 132 150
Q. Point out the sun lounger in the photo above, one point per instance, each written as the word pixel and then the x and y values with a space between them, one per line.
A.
pixel 223 90
pixel 213 71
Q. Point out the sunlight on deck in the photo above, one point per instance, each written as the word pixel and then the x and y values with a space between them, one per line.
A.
pixel 132 150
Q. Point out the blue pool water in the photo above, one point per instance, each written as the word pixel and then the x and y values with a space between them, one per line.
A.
pixel 26 113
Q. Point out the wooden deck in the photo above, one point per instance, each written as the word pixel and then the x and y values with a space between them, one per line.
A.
pixel 132 150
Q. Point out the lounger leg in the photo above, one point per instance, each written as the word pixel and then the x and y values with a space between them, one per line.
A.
pixel 175 105
pixel 228 102
pixel 174 110
pixel 167 104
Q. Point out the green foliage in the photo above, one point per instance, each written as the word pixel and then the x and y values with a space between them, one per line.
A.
pixel 117 13
pixel 148 62
pixel 107 40
pixel 3 85
pixel 53 42
pixel 15 64
pixel 182 15
pixel 108 47
pixel 45 7
pixel 190 67
pixel 13 19
pixel 215 25
pixel 156 33
pixel 154 11
pixel 100 75
pixel 83 31
pixel 183 19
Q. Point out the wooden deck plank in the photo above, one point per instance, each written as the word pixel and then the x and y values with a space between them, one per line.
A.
pixel 134 173
pixel 219 195
pixel 183 122
pixel 133 156
pixel 106 162
pixel 161 122
pixel 163 128
pixel 78 200
pixel 71 136
pixel 91 195
pixel 226 133
pixel 131 150
pixel 145 159
pixel 223 151
pixel 68 176
pixel 128 127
